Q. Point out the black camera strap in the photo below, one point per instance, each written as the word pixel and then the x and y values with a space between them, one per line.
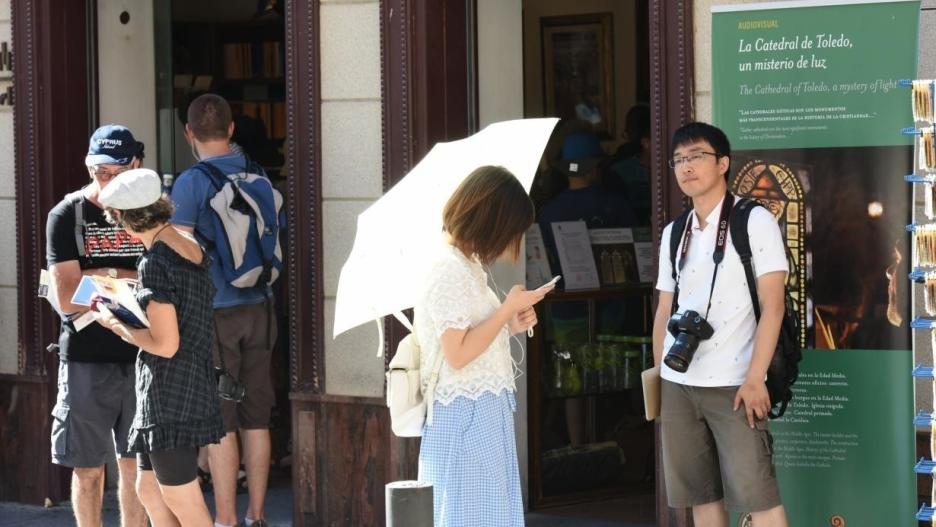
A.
pixel 721 240
pixel 220 347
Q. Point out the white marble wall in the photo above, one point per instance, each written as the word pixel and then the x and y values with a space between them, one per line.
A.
pixel 8 282
pixel 352 175
pixel 127 70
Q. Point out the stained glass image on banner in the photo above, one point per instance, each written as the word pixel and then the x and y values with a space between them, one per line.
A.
pixel 779 189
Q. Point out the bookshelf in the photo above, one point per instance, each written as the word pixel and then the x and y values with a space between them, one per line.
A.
pixel 244 62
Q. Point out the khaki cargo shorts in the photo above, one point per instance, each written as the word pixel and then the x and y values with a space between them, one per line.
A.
pixel 710 453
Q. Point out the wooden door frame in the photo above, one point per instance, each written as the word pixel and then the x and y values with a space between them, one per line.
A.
pixel 54 99
pixel 671 105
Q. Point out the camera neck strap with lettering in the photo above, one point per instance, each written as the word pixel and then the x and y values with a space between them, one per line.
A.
pixel 721 240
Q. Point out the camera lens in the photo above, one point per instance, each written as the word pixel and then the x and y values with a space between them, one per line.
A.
pixel 675 362
pixel 681 352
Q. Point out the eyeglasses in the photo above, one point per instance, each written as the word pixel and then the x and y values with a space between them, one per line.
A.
pixel 691 159
pixel 109 171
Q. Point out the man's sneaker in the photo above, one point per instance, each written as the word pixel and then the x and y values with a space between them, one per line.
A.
pixel 256 523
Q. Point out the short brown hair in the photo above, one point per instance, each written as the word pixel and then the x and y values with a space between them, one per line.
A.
pixel 144 218
pixel 209 117
pixel 488 213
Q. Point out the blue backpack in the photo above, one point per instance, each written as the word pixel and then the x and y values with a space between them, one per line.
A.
pixel 247 215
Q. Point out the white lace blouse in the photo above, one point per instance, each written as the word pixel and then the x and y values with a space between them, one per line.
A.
pixel 456 295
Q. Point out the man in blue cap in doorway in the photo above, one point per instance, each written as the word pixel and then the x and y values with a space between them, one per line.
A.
pixel 95 403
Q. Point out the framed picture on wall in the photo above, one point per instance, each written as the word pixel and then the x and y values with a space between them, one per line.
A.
pixel 578 69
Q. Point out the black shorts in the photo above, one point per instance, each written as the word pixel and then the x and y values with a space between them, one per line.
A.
pixel 171 467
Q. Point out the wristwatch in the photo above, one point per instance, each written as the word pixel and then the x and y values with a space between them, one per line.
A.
pixel 111 272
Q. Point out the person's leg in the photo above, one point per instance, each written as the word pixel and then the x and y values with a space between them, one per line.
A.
pixel 132 513
pixel 187 503
pixel 176 472
pixel 131 510
pixel 148 490
pixel 86 494
pixel 253 413
pixel 81 433
pixel 203 459
pixel 257 464
pixel 775 517
pixel 224 460
pixel 710 515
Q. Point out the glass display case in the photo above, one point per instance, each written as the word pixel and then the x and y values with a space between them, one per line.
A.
pixel 588 435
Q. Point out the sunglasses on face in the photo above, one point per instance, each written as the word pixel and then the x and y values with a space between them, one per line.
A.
pixel 108 171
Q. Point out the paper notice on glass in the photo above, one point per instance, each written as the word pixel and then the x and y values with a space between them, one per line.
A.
pixel 575 255
pixel 614 255
pixel 645 261
pixel 537 262
pixel 646 257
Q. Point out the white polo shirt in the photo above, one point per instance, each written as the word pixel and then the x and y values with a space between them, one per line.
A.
pixel 722 360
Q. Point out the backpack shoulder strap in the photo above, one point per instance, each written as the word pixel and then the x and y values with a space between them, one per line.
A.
pixel 742 244
pixel 77 200
pixel 217 178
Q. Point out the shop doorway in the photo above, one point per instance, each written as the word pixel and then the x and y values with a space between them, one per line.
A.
pixel 236 49
pixel 591 452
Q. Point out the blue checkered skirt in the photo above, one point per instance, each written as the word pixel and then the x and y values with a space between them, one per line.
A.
pixel 469 454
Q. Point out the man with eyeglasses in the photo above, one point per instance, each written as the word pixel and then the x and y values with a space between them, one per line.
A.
pixel 95 404
pixel 717 450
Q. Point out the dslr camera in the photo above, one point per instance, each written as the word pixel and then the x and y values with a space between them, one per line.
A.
pixel 229 388
pixel 690 328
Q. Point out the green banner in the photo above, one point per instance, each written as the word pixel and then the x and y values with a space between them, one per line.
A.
pixel 810 77
pixel 845 450
pixel 809 95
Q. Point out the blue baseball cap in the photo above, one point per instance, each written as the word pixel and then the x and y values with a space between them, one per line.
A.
pixel 581 153
pixel 113 144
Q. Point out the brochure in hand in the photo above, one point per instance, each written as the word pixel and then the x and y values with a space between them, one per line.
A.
pixel 117 294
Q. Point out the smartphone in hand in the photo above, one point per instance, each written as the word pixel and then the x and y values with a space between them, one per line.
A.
pixel 550 284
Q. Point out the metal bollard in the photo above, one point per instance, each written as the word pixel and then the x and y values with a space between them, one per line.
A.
pixel 409 504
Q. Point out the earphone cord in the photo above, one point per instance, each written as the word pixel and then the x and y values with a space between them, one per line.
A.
pixel 517 371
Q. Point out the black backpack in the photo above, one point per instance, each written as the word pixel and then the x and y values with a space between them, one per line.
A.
pixel 784 367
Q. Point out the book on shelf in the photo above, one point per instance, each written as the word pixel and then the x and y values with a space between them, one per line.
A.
pixel 202 83
pixel 182 81
pixel 273 115
pixel 249 60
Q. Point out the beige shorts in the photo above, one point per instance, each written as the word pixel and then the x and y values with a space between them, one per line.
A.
pixel 710 453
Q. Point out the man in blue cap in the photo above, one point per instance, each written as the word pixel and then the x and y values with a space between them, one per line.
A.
pixel 581 161
pixel 95 403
